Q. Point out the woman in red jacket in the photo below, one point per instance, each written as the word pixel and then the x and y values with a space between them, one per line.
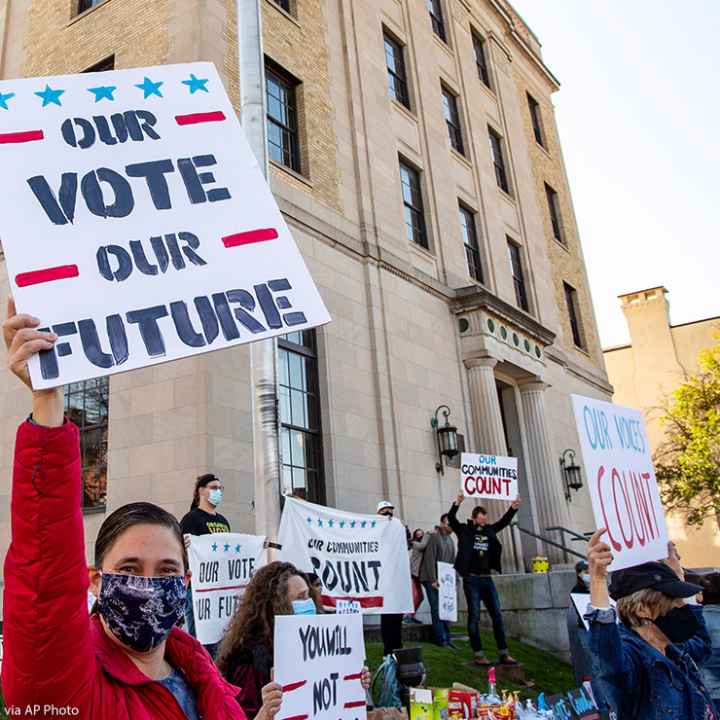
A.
pixel 128 660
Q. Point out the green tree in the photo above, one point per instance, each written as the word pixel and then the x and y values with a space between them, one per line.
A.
pixel 687 463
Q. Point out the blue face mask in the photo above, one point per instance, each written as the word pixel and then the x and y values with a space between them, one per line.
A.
pixel 585 578
pixel 304 607
pixel 215 497
pixel 141 611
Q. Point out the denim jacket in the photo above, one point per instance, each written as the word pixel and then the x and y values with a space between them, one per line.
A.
pixel 640 683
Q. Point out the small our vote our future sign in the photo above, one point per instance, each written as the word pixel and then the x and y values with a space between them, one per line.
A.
pixel 621 479
pixel 319 662
pixel 137 224
pixel 491 477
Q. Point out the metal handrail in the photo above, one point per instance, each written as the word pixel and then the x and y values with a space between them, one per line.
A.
pixel 545 540
pixel 572 533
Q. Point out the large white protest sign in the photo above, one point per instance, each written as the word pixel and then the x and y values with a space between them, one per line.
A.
pixel 356 557
pixel 489 476
pixel 447 596
pixel 136 223
pixel 319 662
pixel 581 601
pixel 222 566
pixel 621 480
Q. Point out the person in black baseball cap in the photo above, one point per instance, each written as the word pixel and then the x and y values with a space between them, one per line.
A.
pixel 638 670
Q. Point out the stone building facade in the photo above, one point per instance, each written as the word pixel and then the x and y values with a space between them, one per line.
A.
pixel 415 156
pixel 644 373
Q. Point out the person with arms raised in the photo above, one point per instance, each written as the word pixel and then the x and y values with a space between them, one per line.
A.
pixel 127 660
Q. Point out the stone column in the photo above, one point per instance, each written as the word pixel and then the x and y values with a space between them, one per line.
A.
pixel 551 504
pixel 485 406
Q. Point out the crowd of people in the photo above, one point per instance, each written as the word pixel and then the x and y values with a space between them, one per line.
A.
pixel 130 657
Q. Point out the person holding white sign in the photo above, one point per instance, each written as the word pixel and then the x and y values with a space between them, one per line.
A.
pixel 246 654
pixel 640 671
pixel 128 660
pixel 479 553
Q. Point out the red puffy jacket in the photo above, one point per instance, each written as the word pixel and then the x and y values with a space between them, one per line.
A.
pixel 55 655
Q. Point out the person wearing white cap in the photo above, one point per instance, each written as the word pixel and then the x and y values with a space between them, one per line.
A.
pixel 390 625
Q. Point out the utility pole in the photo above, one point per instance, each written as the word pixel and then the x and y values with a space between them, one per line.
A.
pixel 263 354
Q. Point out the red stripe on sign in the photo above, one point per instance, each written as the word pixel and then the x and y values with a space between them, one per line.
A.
pixel 294 686
pixel 366 602
pixel 250 237
pixel 197 118
pixel 62 272
pixel 21 137
pixel 296 717
pixel 227 587
pixel 354 676
pixel 357 703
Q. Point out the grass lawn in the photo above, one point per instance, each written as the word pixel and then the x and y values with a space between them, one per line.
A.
pixel 444 667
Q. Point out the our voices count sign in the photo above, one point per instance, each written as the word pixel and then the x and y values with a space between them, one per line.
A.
pixel 621 479
pixel 137 224
pixel 491 477
pixel 319 662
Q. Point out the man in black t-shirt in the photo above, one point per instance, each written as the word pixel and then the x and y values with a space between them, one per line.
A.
pixel 478 555
pixel 203 519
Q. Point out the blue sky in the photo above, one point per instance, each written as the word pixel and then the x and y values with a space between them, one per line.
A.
pixel 639 112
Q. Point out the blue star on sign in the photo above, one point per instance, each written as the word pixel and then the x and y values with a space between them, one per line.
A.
pixel 104 92
pixel 150 88
pixel 214 547
pixel 309 521
pixel 320 524
pixel 373 523
pixel 363 523
pixel 227 547
pixel 352 524
pixel 237 548
pixel 50 96
pixel 331 523
pixel 342 523
pixel 196 84
pixel 4 97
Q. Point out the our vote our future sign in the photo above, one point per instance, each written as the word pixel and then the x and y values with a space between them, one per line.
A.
pixel 137 224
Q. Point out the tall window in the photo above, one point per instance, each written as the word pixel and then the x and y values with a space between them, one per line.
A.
pixel 536 119
pixel 554 210
pixel 469 236
pixel 452 120
pixel 282 126
pixel 573 308
pixel 84 5
pixel 86 404
pixel 300 426
pixel 102 66
pixel 413 205
pixel 397 77
pixel 518 275
pixel 498 158
pixel 284 4
pixel 436 18
pixel 481 58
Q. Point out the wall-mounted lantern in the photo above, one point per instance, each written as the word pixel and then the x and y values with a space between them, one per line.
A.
pixel 572 475
pixel 447 438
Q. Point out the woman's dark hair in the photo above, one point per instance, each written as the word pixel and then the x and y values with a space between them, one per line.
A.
pixel 127 516
pixel 202 481
pixel 711 588
pixel 415 533
pixel 253 624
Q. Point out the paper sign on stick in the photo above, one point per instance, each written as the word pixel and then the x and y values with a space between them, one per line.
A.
pixel 222 566
pixel 448 592
pixel 489 476
pixel 137 225
pixel 621 479
pixel 361 558
pixel 319 661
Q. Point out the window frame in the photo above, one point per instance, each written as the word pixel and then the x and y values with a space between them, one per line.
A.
pixel 105 65
pixel 417 212
pixel 85 430
pixel 284 5
pixel 290 86
pixel 399 90
pixel 473 258
pixel 437 19
pixel 318 492
pixel 85 5
pixel 451 107
pixel 553 203
pixel 518 274
pixel 536 120
pixel 575 316
pixel 499 160
pixel 481 60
